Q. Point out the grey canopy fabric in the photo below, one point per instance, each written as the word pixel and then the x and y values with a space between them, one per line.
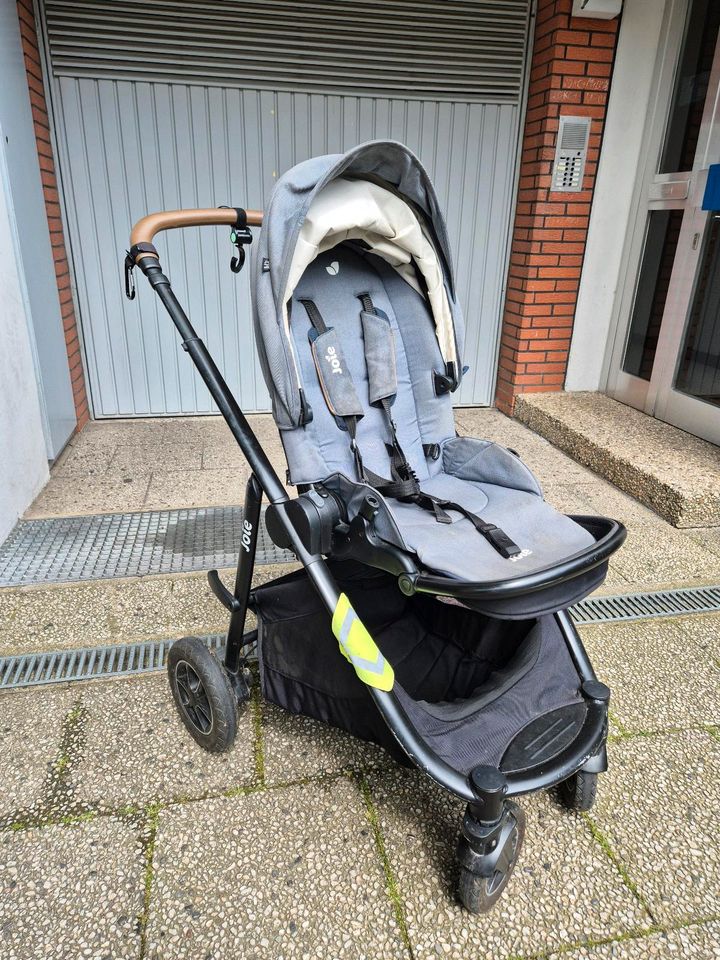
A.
pixel 384 162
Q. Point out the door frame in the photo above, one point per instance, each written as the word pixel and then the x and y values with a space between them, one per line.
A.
pixel 619 384
pixel 681 190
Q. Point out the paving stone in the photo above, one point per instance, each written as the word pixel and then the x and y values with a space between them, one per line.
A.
pixel 658 670
pixel 199 488
pixel 144 459
pixel 697 942
pixel 30 730
pixel 655 553
pixel 137 750
pixel 101 612
pixel 71 892
pixel 84 460
pixel 564 888
pixel 659 808
pixel 77 495
pixel 287 873
pixel 295 746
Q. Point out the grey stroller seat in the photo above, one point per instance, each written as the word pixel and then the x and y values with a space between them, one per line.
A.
pixel 488 480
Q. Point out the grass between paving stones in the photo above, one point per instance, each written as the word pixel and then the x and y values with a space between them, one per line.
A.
pixel 639 933
pixel 604 843
pixel 257 722
pixel 708 728
pixel 391 886
pixel 57 803
pixel 148 838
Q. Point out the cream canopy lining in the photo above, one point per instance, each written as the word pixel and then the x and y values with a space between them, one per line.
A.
pixel 362 210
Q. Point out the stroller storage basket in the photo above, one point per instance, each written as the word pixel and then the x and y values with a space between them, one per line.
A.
pixel 470 684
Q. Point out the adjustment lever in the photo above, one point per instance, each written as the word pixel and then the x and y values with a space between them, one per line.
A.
pixel 230 602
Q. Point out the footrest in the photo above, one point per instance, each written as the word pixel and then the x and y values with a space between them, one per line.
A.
pixel 544 738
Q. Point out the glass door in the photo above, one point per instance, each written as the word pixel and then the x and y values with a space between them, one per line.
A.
pixel 666 359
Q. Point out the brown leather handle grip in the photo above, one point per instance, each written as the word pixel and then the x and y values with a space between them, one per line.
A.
pixel 145 229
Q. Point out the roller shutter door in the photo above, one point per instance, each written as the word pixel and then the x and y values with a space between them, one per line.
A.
pixel 162 104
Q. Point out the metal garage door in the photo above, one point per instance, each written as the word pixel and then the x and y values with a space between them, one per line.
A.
pixel 162 104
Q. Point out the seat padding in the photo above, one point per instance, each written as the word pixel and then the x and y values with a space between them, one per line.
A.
pixel 457 550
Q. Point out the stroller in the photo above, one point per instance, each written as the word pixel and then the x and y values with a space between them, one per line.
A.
pixel 438 623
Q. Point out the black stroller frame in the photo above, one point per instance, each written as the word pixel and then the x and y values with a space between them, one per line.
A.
pixel 487 846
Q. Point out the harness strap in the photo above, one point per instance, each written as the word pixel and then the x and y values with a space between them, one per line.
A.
pixel 403 484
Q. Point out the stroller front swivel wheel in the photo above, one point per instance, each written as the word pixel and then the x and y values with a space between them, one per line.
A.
pixel 479 893
pixel 203 694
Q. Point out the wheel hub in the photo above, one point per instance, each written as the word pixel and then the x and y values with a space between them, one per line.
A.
pixel 193 698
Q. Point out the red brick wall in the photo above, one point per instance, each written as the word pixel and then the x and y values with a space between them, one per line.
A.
pixel 570 74
pixel 52 206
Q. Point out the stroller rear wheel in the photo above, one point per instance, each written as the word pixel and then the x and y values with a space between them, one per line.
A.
pixel 479 894
pixel 578 791
pixel 203 694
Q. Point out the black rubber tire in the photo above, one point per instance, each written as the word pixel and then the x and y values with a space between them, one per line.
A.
pixel 480 894
pixel 578 792
pixel 203 694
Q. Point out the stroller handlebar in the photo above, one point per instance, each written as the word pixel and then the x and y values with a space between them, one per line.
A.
pixel 145 229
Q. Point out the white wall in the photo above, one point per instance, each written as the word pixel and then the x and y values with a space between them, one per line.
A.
pixel 619 161
pixel 23 175
pixel 23 457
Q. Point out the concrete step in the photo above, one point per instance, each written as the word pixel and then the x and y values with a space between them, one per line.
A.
pixel 673 473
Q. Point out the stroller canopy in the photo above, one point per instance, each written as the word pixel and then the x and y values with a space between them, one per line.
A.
pixel 377 194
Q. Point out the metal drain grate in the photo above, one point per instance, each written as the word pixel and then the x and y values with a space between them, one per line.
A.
pixel 103 546
pixel 90 663
pixel 646 606
pixel 137 658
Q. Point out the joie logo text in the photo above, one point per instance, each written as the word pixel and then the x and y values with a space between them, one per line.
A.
pixel 246 535
pixel 333 359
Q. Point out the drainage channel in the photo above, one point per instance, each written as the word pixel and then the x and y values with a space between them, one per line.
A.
pixel 104 546
pixel 89 663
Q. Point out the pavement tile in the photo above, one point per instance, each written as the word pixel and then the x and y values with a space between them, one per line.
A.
pixel 137 751
pixel 225 454
pixel 136 460
pixel 655 552
pixel 295 746
pixel 30 730
pixel 75 496
pixel 707 537
pixel 100 612
pixel 84 460
pixel 564 888
pixel 658 671
pixel 125 431
pixel 198 488
pixel 279 874
pixel 70 892
pixel 659 809
pixel 697 942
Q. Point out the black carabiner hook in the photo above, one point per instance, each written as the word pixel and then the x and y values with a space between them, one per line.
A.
pixel 239 237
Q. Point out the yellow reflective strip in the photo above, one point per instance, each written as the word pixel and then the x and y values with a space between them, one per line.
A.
pixel 341 610
pixel 358 645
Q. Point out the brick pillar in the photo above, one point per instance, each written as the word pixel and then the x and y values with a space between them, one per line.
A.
pixel 570 74
pixel 41 123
